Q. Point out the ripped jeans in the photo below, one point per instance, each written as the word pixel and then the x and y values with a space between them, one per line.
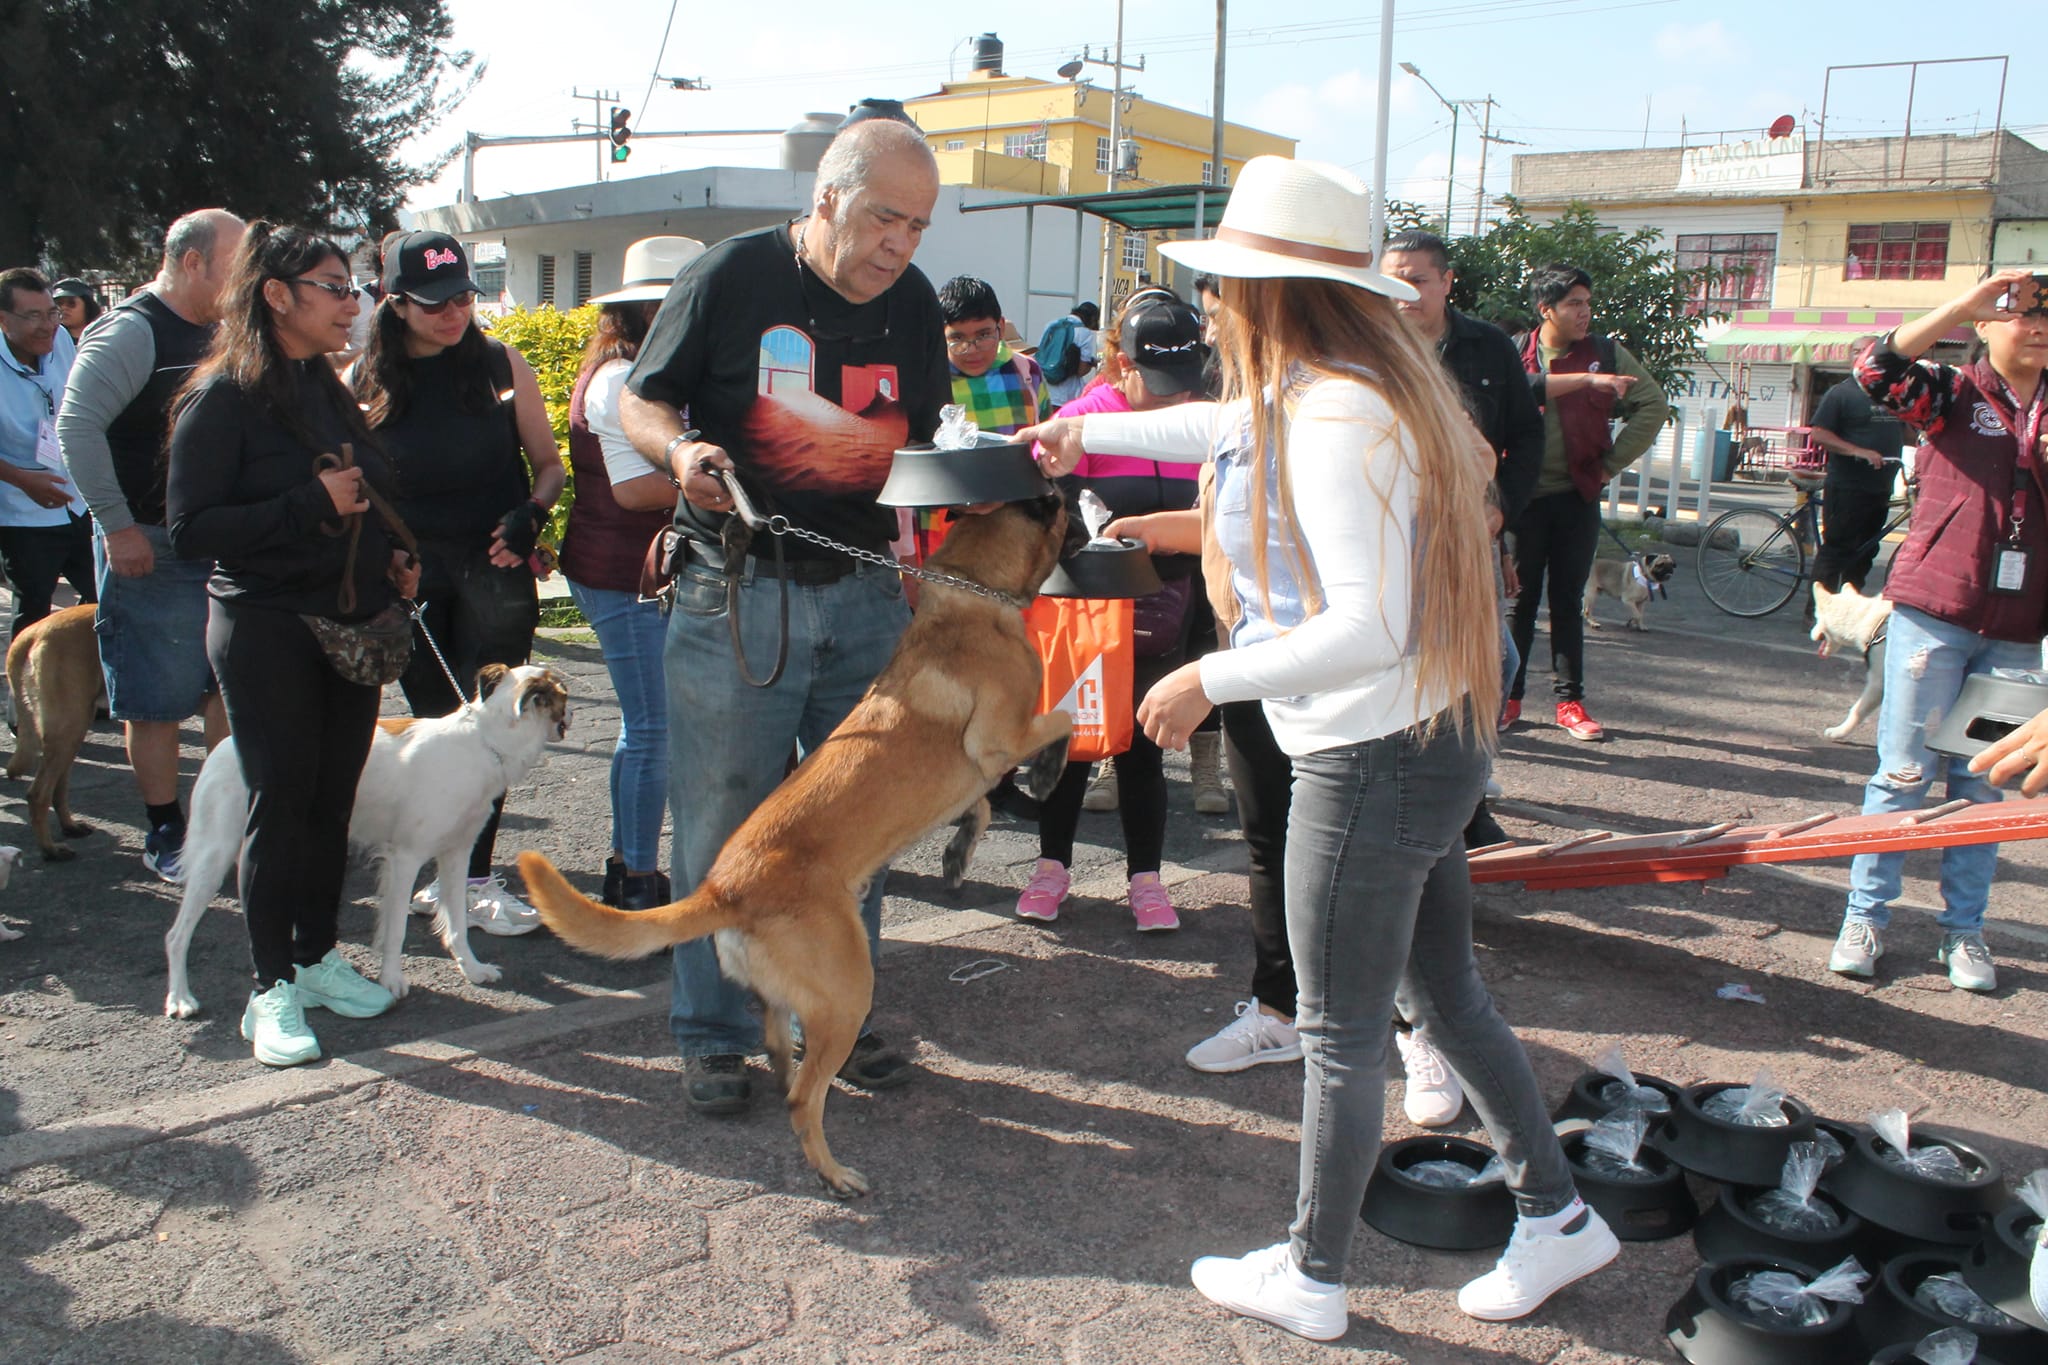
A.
pixel 1925 663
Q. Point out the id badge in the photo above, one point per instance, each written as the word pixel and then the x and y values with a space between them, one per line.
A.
pixel 48 453
pixel 2009 568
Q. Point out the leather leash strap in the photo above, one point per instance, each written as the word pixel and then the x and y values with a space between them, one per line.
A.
pixel 352 524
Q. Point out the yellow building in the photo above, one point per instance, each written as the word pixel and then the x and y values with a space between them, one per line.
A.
pixel 1042 137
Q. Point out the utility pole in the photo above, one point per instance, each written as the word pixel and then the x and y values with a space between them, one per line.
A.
pixel 598 100
pixel 1116 105
pixel 1216 171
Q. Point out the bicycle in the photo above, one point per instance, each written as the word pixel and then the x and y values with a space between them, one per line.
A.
pixel 1753 560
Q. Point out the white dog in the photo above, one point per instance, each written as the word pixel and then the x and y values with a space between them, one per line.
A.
pixel 8 853
pixel 1847 620
pixel 425 792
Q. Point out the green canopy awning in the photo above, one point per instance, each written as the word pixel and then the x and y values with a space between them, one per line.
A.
pixel 1159 208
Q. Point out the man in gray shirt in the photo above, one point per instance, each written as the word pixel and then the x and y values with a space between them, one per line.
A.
pixel 112 427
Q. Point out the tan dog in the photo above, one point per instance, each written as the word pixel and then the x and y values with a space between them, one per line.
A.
pixel 53 674
pixel 1618 578
pixel 1847 620
pixel 951 715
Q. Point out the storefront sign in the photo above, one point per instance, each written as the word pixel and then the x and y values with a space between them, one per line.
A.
pixel 1772 163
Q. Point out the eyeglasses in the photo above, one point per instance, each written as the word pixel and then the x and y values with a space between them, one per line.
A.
pixel 49 317
pixel 988 336
pixel 333 291
pixel 462 300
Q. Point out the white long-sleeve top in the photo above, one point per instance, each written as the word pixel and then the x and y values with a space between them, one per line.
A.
pixel 1345 674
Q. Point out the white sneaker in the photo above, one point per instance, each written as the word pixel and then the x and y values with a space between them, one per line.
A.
pixel 496 910
pixel 1267 1285
pixel 1537 1265
pixel 1434 1098
pixel 1494 792
pixel 1253 1037
pixel 1968 961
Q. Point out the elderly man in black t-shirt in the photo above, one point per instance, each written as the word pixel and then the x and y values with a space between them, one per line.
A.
pixel 1863 444
pixel 805 356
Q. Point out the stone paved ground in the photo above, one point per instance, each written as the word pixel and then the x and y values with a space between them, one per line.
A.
pixel 505 1174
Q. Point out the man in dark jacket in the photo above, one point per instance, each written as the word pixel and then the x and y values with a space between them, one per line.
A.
pixel 1584 383
pixel 1863 444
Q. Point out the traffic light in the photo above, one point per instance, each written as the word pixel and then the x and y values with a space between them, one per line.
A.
pixel 621 132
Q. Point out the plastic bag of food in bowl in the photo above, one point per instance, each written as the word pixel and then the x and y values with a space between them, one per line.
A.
pixel 1949 1346
pixel 1933 1160
pixel 1624 1091
pixel 1791 1207
pixel 1951 1296
pixel 1780 1298
pixel 1760 1104
pixel 1613 1144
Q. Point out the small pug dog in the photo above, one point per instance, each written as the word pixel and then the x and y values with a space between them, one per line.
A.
pixel 1631 581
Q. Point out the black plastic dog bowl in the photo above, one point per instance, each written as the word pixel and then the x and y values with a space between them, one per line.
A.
pixel 1104 571
pixel 1705 1328
pixel 1890 1314
pixel 1445 1218
pixel 1999 1266
pixel 1901 1200
pixel 1584 1101
pixel 925 476
pixel 1729 1229
pixel 1731 1153
pixel 1657 1206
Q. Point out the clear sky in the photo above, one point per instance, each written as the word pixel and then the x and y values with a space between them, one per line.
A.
pixel 1567 74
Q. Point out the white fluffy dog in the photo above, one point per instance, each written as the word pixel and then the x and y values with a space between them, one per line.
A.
pixel 1848 621
pixel 425 792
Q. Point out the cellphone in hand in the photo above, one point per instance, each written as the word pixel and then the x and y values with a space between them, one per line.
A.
pixel 2029 296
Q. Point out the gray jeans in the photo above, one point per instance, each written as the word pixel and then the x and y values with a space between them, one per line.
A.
pixel 1379 900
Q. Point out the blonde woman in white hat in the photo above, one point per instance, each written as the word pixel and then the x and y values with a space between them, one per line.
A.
pixel 622 502
pixel 1350 501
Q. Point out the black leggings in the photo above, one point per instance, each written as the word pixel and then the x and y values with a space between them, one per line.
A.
pixel 1140 803
pixel 1555 541
pixel 1264 780
pixel 1848 539
pixel 301 734
pixel 479 614
pixel 35 557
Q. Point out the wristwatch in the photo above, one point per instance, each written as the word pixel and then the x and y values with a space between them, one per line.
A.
pixel 668 453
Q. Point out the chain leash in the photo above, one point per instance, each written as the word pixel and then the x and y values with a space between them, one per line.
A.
pixel 418 612
pixel 780 525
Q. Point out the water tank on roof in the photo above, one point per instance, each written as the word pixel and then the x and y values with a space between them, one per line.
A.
pixel 804 144
pixel 988 54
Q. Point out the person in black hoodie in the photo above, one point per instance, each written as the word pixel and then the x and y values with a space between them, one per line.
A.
pixel 251 486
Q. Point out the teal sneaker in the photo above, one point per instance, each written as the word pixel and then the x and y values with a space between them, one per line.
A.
pixel 331 984
pixel 275 1022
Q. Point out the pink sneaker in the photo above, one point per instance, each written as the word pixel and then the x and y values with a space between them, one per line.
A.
pixel 1044 892
pixel 1150 905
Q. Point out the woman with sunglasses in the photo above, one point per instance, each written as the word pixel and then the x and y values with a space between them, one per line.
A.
pixel 478 469
pixel 252 486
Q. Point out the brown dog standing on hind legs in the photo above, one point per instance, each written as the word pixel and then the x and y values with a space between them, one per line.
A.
pixel 953 713
pixel 54 679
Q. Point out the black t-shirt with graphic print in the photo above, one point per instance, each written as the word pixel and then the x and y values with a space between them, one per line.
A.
pixel 811 395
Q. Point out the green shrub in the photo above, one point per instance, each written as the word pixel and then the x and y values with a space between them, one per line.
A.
pixel 553 344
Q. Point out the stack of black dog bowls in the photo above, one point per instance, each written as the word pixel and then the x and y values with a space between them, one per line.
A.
pixel 1645 1208
pixel 1706 1327
pixel 1445 1218
pixel 1999 1265
pixel 1905 1211
pixel 1588 1099
pixel 1717 1149
pixel 1729 1229
pixel 1890 1314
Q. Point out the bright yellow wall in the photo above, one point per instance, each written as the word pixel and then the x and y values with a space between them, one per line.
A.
pixel 979 113
pixel 1814 244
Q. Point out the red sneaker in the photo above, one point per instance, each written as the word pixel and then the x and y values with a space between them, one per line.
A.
pixel 1510 712
pixel 1572 716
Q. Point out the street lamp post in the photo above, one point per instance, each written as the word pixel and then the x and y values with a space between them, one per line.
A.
pixel 1410 68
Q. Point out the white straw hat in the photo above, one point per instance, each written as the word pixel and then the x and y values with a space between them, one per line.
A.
pixel 652 264
pixel 1292 219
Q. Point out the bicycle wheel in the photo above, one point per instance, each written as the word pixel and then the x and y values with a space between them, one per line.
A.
pixel 1750 562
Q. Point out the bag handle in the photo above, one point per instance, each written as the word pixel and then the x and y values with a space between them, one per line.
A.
pixel 352 524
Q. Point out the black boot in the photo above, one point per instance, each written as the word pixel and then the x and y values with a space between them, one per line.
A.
pixel 643 891
pixel 1482 829
pixel 614 873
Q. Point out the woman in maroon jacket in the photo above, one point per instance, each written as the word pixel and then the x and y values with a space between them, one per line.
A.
pixel 1969 588
pixel 623 502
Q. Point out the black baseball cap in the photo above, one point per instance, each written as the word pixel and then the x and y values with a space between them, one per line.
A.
pixel 1162 336
pixel 429 266
pixel 71 287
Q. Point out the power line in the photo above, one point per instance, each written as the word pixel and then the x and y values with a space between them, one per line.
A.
pixel 654 74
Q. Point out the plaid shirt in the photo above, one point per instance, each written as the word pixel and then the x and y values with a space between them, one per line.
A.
pixel 1010 394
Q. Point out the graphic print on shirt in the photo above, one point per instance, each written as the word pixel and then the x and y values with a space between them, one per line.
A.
pixel 802 440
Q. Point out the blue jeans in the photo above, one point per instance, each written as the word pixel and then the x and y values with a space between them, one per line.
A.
pixel 630 633
pixel 1379 900
pixel 1925 663
pixel 731 742
pixel 152 634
